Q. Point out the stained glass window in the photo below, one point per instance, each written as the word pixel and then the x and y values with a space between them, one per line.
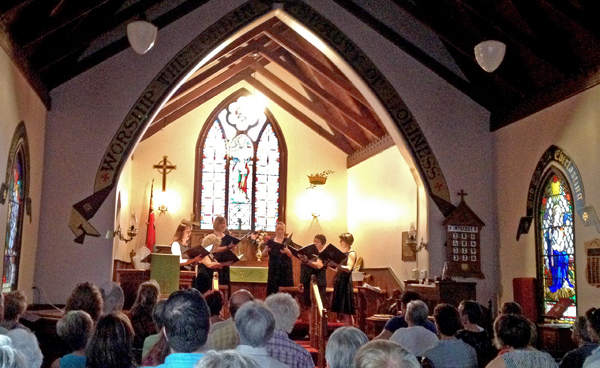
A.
pixel 557 244
pixel 12 248
pixel 241 155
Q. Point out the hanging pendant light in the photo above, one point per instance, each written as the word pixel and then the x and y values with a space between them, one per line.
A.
pixel 489 54
pixel 141 35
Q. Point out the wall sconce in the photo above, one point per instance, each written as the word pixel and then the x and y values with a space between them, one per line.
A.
pixel 412 240
pixel 489 54
pixel 131 231
pixel 141 35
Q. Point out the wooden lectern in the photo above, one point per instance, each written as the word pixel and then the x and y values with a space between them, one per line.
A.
pixel 164 268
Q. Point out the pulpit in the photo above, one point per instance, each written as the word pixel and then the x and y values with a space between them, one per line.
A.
pixel 451 292
pixel 250 275
pixel 164 268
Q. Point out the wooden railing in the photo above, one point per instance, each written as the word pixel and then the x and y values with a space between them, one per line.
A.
pixel 318 322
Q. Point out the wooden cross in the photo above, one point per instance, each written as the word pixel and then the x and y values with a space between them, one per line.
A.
pixel 462 195
pixel 164 168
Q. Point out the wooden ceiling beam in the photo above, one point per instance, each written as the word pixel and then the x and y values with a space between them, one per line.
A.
pixel 353 132
pixel 325 95
pixel 334 77
pixel 337 141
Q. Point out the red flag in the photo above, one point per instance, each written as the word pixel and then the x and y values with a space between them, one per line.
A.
pixel 151 234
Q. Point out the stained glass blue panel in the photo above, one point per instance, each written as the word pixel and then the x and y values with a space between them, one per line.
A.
pixel 12 247
pixel 214 159
pixel 558 250
pixel 241 154
pixel 267 180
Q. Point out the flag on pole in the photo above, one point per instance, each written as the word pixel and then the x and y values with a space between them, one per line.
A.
pixel 151 234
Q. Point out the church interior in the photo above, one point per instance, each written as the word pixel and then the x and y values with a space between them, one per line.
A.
pixel 415 141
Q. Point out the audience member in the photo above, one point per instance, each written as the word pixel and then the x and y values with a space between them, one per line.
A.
pixel 140 313
pixel 214 299
pixel 342 346
pixel 151 341
pixel 187 322
pixel 86 297
pixel 226 359
pixel 415 338
pixel 110 345
pixel 593 326
pixel 286 310
pixel 471 316
pixel 581 336
pixel 15 304
pixel 223 335
pixel 255 325
pixel 511 308
pixel 384 354
pixel 450 352
pixel 9 356
pixel 399 321
pixel 75 329
pixel 112 297
pixel 513 334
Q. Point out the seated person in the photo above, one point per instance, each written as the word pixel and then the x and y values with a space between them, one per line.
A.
pixel 140 313
pixel 471 315
pixel 450 352
pixel 113 297
pixel 593 318
pixel 223 335
pixel 151 341
pixel 75 329
pixel 398 321
pixel 342 346
pixel 15 304
pixel 86 297
pixel 511 308
pixel 581 336
pixel 255 325
pixel 9 356
pixel 110 344
pixel 226 359
pixel 415 338
pixel 214 299
pixel 384 354
pixel 23 340
pixel 513 334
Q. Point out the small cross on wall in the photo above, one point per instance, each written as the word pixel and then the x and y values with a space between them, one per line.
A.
pixel 462 195
pixel 164 167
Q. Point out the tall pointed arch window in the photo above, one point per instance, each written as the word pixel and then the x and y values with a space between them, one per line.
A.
pixel 241 167
pixel 17 181
pixel 556 243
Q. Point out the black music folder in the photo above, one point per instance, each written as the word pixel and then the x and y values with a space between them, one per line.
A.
pixel 332 253
pixel 196 251
pixel 309 251
pixel 227 240
pixel 225 256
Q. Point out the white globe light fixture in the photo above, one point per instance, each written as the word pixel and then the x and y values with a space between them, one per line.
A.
pixel 489 54
pixel 141 35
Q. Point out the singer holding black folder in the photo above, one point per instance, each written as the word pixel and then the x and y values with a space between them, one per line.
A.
pixel 343 292
pixel 280 261
pixel 220 227
pixel 315 267
pixel 180 240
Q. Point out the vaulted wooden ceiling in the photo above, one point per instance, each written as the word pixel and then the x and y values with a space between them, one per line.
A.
pixel 553 52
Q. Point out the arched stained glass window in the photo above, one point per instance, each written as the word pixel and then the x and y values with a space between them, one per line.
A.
pixel 242 171
pixel 557 245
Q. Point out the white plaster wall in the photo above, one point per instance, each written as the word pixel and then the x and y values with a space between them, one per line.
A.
pixel 19 102
pixel 573 125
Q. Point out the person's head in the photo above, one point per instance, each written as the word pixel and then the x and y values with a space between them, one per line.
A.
pixel 15 304
pixel 182 234
pixel 593 318
pixel 157 314
pixel 113 297
pixel 220 224
pixel 511 308
pixel 86 297
pixel 407 297
pixel 225 359
pixel 470 312
pixel 75 329
pixel 285 309
pixel 187 321
pixel 110 345
pixel 280 229
pixel 255 324
pixel 320 240
pixel 416 313
pixel 214 299
pixel 346 240
pixel 9 356
pixel 238 299
pixel 580 332
pixel 384 353
pixel 512 330
pixel 147 297
pixel 342 346
pixel 447 319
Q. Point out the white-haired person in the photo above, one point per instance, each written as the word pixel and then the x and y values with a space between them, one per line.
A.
pixel 9 356
pixel 342 346
pixel 384 353
pixel 113 297
pixel 75 329
pixel 286 310
pixel 255 325
pixel 226 359
pixel 416 339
